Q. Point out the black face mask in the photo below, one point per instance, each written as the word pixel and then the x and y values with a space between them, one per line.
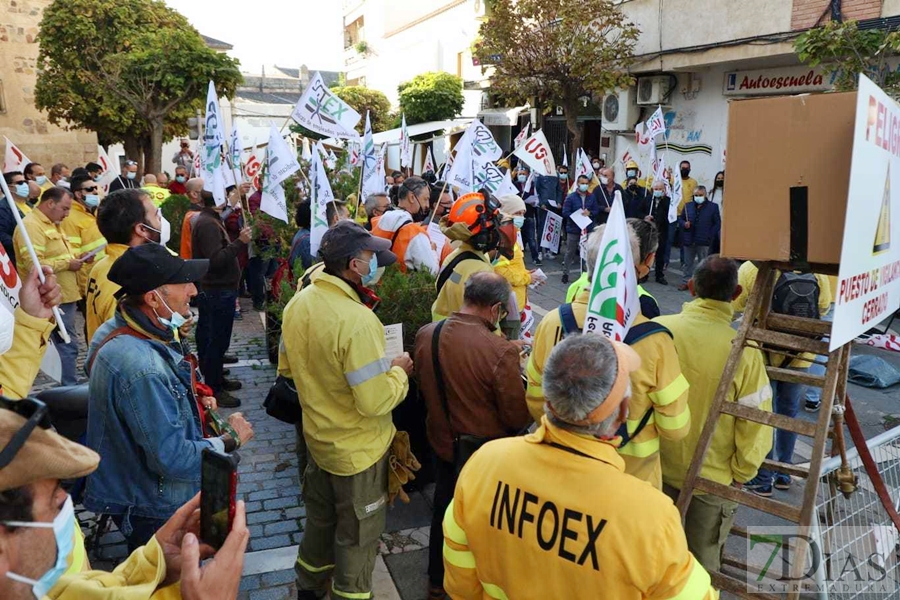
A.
pixel 632 186
pixel 720 183
pixel 685 173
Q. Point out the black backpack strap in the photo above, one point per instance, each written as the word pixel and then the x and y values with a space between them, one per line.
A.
pixel 438 374
pixel 399 229
pixel 634 335
pixel 639 332
pixel 567 319
pixel 447 271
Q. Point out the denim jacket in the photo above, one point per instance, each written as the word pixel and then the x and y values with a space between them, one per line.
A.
pixel 144 423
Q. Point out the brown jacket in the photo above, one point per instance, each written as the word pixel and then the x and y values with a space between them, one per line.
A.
pixel 485 393
pixel 210 240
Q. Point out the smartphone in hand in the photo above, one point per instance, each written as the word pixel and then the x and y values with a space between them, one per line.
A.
pixel 218 490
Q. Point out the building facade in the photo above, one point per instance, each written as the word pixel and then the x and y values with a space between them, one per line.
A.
pixel 708 53
pixel 20 121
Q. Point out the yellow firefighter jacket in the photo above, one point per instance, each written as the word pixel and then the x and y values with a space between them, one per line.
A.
pixel 450 298
pixel 53 250
pixel 658 384
pixel 552 515
pixel 703 337
pixel 100 298
pixel 84 236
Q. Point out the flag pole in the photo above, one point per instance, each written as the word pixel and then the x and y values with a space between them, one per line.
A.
pixel 34 259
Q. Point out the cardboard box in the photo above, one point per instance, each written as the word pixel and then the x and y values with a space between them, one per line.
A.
pixel 787 178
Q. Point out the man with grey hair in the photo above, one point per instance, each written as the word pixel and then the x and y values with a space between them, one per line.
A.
pixel 376 205
pixel 660 402
pixel 703 338
pixel 471 381
pixel 559 499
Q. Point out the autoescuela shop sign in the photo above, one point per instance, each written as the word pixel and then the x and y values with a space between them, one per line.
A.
pixel 771 82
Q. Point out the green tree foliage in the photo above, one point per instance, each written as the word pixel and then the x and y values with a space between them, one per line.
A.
pixel 362 99
pixel 557 51
pixel 431 97
pixel 131 71
pixel 844 51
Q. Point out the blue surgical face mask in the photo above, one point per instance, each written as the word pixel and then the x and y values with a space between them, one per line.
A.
pixel 631 173
pixel 96 178
pixel 179 178
pixel 64 531
pixel 368 278
pixel 582 187
pixel 519 222
pixel 175 321
pixel 699 199
pixel 92 200
pixel 657 193
pixel 40 179
pixel 563 176
pixel 22 190
pixel 130 174
pixel 521 178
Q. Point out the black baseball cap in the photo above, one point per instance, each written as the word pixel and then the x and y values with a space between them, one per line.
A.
pixel 149 266
pixel 348 238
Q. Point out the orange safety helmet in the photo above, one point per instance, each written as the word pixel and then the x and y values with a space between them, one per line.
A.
pixel 477 213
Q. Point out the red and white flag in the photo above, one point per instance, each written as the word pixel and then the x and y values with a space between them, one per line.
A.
pixel 535 153
pixel 429 161
pixel 523 135
pixel 656 124
pixel 15 159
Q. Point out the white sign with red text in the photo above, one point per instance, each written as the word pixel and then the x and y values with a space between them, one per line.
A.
pixel 552 232
pixel 868 289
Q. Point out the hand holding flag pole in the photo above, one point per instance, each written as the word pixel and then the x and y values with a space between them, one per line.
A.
pixel 34 259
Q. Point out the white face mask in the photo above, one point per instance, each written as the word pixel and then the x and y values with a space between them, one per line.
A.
pixel 604 180
pixel 7 324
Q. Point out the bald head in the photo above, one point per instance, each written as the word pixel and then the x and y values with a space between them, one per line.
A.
pixel 162 179
pixel 194 185
pixel 149 179
pixel 484 290
pixel 34 190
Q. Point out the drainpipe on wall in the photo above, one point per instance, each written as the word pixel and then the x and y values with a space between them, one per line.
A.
pixel 836 11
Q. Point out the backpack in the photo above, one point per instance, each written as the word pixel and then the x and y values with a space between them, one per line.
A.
pixel 634 335
pixel 796 295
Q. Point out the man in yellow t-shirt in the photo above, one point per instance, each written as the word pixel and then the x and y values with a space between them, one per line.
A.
pixel 126 218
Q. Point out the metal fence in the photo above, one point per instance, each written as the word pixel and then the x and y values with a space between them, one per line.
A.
pixel 858 540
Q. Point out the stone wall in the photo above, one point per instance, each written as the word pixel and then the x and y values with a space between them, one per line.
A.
pixel 21 122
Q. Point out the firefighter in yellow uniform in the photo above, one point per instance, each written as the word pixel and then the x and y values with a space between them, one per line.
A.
pixel 659 404
pixel 703 338
pixel 334 348
pixel 81 227
pixel 53 250
pixel 553 515
pixel 128 218
pixel 474 223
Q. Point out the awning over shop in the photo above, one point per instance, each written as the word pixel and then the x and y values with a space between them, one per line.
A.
pixel 508 117
pixel 392 136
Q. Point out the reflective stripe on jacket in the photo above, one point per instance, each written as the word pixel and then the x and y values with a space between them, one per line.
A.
pixel 658 384
pixel 450 298
pixel 53 250
pixel 530 520
pixel 84 236
pixel 334 347
pixel 703 338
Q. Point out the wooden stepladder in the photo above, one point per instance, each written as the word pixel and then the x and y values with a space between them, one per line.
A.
pixel 790 337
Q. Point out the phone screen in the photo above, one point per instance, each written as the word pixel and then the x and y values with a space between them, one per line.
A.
pixel 218 485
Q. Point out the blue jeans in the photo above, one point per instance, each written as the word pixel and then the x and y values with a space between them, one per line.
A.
pixel 529 238
pixel 68 353
pixel 786 400
pixel 813 393
pixel 214 333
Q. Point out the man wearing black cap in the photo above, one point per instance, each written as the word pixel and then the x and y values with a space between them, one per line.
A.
pixel 334 346
pixel 144 418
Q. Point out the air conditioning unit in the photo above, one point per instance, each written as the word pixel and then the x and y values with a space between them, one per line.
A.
pixel 619 110
pixel 654 90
